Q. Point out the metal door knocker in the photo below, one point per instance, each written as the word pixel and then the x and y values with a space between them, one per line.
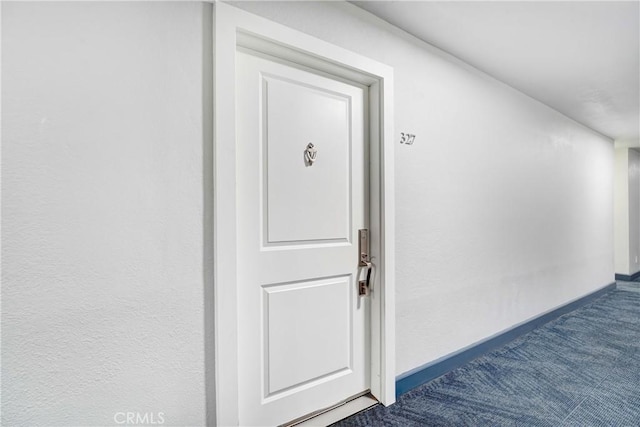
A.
pixel 310 154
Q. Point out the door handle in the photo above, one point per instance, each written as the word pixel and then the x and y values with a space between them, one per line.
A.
pixel 364 261
pixel 365 285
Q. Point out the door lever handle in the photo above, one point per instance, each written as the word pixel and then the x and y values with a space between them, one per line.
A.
pixel 364 285
pixel 364 261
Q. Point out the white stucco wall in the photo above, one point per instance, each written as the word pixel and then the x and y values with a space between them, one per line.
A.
pixel 627 210
pixel 102 213
pixel 621 210
pixel 504 206
pixel 634 211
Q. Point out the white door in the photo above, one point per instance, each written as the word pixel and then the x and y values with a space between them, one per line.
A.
pixel 303 330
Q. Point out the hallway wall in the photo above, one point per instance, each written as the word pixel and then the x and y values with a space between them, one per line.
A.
pixel 634 211
pixel 102 237
pixel 627 210
pixel 621 210
pixel 503 204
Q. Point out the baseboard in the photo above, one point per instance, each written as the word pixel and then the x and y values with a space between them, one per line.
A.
pixel 425 373
pixel 628 278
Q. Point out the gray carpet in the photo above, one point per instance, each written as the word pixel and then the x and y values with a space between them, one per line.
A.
pixel 582 369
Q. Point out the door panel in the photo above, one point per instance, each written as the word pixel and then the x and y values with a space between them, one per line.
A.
pixel 303 331
pixel 294 115
pixel 301 313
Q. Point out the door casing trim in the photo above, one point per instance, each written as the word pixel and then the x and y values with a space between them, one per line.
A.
pixel 232 28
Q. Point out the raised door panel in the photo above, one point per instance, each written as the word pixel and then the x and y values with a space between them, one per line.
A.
pixel 307 333
pixel 305 202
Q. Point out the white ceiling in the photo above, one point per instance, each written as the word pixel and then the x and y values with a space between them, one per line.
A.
pixel 579 57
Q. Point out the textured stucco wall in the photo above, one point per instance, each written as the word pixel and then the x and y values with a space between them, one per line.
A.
pixel 627 210
pixel 621 210
pixel 102 243
pixel 634 211
pixel 504 206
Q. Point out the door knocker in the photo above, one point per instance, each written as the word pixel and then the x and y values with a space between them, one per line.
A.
pixel 310 154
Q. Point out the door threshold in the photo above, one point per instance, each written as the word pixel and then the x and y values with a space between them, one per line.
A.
pixel 335 413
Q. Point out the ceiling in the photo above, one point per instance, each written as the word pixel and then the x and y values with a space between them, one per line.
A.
pixel 579 57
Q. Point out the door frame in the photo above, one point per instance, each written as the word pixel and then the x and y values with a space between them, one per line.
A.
pixel 232 28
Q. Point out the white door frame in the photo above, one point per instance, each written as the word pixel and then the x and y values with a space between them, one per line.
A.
pixel 232 28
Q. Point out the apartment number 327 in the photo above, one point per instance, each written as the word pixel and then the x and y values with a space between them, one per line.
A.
pixel 407 138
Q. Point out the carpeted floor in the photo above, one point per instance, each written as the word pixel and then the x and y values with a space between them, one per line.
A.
pixel 582 369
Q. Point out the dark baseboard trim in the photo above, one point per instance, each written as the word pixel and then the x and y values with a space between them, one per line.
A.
pixel 423 374
pixel 632 278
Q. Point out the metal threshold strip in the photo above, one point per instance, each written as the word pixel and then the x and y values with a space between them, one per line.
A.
pixel 335 413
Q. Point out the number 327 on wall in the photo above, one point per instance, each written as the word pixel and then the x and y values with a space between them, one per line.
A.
pixel 407 138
